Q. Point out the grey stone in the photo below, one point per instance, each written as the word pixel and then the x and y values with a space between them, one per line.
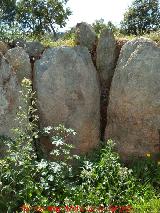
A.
pixel 9 90
pixel 68 93
pixel 3 47
pixel 14 67
pixel 86 35
pixel 20 62
pixel 105 61
pixel 106 56
pixel 19 42
pixel 34 49
pixel 134 104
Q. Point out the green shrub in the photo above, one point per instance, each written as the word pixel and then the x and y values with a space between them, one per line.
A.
pixel 152 206
pixel 107 182
pixel 147 170
pixel 24 179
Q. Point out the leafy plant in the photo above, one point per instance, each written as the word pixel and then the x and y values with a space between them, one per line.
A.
pixel 107 182
pixel 23 178
pixel 147 170
pixel 152 206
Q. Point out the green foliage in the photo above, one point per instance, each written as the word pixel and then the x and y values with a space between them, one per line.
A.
pixel 9 33
pixel 25 179
pixel 107 182
pixel 99 26
pixel 60 42
pixel 36 16
pixel 155 36
pixel 148 171
pixel 7 12
pixel 142 17
pixel 152 206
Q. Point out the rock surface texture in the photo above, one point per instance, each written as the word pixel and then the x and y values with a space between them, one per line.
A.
pixel 34 49
pixel 68 93
pixel 86 36
pixel 106 56
pixel 19 42
pixel 14 66
pixel 20 63
pixel 106 63
pixel 134 104
pixel 3 48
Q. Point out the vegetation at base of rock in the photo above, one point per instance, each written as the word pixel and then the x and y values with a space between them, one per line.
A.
pixel 28 180
pixel 152 205
pixel 24 178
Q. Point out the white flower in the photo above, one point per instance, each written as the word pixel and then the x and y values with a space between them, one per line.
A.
pixel 88 165
pixel 55 167
pixel 42 165
pixel 47 129
pixel 50 178
pixel 55 152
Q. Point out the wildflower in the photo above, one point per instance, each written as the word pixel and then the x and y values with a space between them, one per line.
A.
pixel 25 208
pixel 42 165
pixel 148 155
pixel 50 178
pixel 47 129
pixel 39 209
pixel 55 167
pixel 58 142
pixel 26 82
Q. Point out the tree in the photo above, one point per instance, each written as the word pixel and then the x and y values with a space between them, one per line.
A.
pixel 99 25
pixel 7 12
pixel 142 17
pixel 36 16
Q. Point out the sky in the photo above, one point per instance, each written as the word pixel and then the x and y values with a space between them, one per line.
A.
pixel 90 10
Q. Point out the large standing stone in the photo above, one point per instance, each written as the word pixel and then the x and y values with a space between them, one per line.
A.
pixel 105 62
pixel 134 105
pixel 106 56
pixel 13 68
pixel 68 93
pixel 20 63
pixel 86 36
pixel 34 49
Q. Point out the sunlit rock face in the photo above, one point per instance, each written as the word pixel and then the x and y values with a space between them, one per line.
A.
pixel 134 103
pixel 68 93
pixel 14 66
pixel 85 35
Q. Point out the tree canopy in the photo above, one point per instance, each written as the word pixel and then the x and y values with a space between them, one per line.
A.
pixel 36 16
pixel 142 16
pixel 99 25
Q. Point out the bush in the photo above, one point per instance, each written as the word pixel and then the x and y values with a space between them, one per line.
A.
pixel 147 170
pixel 152 206
pixel 107 183
pixel 24 179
